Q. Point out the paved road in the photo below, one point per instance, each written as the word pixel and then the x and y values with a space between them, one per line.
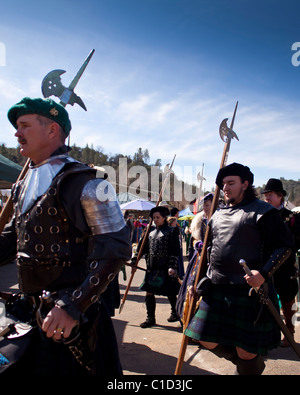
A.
pixel 154 351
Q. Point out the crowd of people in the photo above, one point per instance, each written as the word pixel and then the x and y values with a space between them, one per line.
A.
pixel 70 239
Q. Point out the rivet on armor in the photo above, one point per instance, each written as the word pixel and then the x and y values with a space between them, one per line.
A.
pixel 77 294
pixel 38 229
pixel 94 265
pixel 52 191
pixel 94 280
pixel 52 211
pixel 26 237
pixel 39 210
pixel 54 229
pixel 55 248
pixel 110 277
pixel 94 298
pixel 39 248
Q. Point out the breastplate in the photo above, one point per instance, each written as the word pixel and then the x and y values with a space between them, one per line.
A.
pixel 46 240
pixel 235 235
pixel 43 232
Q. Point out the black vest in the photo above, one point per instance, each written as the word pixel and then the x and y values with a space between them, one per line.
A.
pixel 163 245
pixel 235 235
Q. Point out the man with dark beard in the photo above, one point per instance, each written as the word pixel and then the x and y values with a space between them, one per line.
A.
pixel 228 321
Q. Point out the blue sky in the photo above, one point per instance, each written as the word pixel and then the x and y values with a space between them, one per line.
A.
pixel 165 73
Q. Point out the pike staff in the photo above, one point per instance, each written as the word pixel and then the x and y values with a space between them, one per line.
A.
pixel 140 254
pixel 226 135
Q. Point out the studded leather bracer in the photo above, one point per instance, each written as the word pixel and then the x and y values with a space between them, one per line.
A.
pixel 101 273
pixel 278 257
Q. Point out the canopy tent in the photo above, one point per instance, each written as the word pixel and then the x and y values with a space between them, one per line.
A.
pixel 139 204
pixel 9 172
pixel 185 212
pixel 186 217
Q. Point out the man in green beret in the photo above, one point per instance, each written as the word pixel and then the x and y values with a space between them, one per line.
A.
pixel 69 243
pixel 42 127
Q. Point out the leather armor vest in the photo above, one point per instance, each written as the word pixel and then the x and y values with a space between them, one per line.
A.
pixel 235 235
pixel 48 244
pixel 162 248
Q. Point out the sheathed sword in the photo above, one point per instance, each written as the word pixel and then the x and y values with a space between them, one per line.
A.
pixel 140 253
pixel 226 135
pixel 265 299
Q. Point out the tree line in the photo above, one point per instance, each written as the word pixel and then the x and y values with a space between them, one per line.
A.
pixel 98 157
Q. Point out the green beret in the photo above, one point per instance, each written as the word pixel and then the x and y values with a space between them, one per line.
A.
pixel 46 107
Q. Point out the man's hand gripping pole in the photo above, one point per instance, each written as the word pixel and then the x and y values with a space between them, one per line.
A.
pixel 264 298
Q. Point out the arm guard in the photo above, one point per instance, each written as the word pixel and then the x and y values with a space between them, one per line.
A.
pixel 278 257
pixel 110 246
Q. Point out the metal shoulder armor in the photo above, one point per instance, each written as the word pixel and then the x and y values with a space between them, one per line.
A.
pixel 101 208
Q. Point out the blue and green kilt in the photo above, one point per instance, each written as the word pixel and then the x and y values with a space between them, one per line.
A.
pixel 227 315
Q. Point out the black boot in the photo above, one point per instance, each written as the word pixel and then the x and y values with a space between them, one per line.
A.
pixel 227 352
pixel 173 317
pixel 248 367
pixel 150 306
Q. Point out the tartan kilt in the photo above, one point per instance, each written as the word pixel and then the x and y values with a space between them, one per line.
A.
pixel 226 315
pixel 160 283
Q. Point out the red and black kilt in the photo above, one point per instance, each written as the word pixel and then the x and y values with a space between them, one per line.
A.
pixel 227 316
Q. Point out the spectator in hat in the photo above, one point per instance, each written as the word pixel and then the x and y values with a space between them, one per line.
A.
pixel 161 250
pixel 285 279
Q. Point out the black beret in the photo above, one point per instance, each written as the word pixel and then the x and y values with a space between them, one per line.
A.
pixel 235 169
pixel 173 211
pixel 164 211
pixel 46 107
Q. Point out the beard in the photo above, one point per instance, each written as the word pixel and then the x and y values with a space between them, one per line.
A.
pixel 234 200
pixel 230 201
